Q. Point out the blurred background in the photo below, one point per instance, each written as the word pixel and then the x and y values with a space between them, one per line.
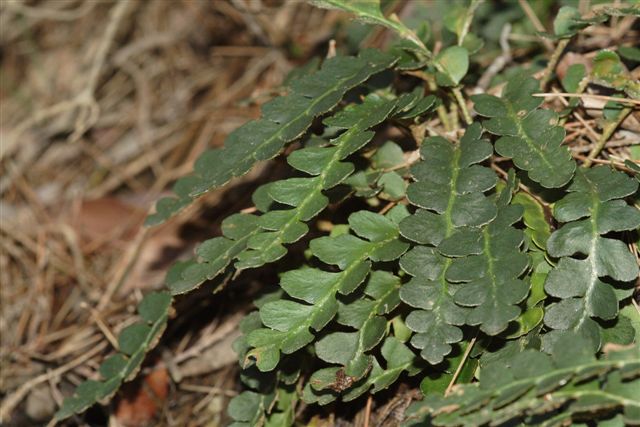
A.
pixel 103 104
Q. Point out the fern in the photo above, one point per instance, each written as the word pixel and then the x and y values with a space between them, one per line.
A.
pixel 541 389
pixel 326 384
pixel 255 241
pixel 592 208
pixel 528 135
pixel 491 279
pixel 289 322
pixel 134 342
pixel 305 195
pixel 509 299
pixel 366 316
pixel 449 193
pixel 283 120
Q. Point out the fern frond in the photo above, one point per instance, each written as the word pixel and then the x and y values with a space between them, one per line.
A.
pixel 134 342
pixel 449 192
pixel 593 207
pixel 528 135
pixel 283 120
pixel 305 195
pixel 491 284
pixel 256 240
pixel 289 323
pixel 542 389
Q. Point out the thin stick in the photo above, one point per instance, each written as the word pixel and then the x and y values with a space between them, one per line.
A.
pixel 460 365
pixel 367 411
pixel 607 131
pixel 587 95
pixel 9 403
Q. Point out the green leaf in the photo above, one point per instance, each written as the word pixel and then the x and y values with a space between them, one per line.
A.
pixel 249 407
pixel 257 240
pixel 325 384
pixel 213 255
pixel 350 349
pixel 449 188
pixel 305 195
pixel 528 135
pixel 629 52
pixel 592 208
pixel 453 64
pixel 538 228
pixel 289 323
pixel 134 341
pixel 533 314
pixel 283 120
pixel 569 21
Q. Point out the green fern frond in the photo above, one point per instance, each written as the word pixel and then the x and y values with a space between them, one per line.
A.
pixel 283 120
pixel 289 323
pixel 327 384
pixel 490 280
pixel 541 389
pixel 134 342
pixel 449 191
pixel 305 195
pixel 529 135
pixel 592 208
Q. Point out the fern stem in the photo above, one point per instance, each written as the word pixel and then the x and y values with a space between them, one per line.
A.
pixel 463 106
pixel 471 10
pixel 553 61
pixel 607 131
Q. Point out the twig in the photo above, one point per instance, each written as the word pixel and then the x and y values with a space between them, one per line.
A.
pixel 587 95
pixel 460 365
pixel 85 98
pixel 607 131
pixel 610 144
pixel 10 402
pixel 367 411
pixel 122 269
pixel 49 13
pixel 616 164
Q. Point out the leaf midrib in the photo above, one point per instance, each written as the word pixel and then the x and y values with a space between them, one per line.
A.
pixel 573 370
pixel 317 189
pixel 527 139
pixel 319 304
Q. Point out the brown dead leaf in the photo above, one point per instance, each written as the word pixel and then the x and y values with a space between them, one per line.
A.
pixel 106 220
pixel 142 402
